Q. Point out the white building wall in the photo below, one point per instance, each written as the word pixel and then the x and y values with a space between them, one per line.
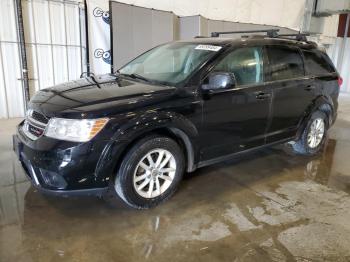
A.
pixel 334 51
pixel 338 49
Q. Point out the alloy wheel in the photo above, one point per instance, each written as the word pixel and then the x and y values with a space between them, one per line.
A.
pixel 316 133
pixel 155 173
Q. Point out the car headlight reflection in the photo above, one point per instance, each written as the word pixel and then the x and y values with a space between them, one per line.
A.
pixel 76 130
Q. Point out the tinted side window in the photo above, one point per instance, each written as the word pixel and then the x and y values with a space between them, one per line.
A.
pixel 245 63
pixel 285 63
pixel 316 63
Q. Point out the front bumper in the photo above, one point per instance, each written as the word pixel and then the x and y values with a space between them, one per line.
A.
pixel 58 167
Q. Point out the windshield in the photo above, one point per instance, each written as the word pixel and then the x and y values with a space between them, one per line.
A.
pixel 171 63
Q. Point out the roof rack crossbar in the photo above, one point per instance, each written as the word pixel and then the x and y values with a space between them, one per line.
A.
pixel 269 32
pixel 272 33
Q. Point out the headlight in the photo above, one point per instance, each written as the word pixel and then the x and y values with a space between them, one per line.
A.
pixel 74 130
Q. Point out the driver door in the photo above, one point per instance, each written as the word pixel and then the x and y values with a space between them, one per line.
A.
pixel 236 119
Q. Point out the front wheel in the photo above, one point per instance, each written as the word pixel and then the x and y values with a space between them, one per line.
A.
pixel 150 172
pixel 313 136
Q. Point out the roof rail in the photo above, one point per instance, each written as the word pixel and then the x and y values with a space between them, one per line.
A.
pixel 269 32
pixel 298 36
pixel 273 33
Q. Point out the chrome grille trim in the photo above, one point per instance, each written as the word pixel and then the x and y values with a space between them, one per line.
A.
pixel 31 122
pixel 36 123
pixel 25 129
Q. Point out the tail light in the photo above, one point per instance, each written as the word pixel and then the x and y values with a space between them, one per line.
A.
pixel 340 81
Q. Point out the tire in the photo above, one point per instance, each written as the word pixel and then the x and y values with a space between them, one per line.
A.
pixel 311 147
pixel 125 185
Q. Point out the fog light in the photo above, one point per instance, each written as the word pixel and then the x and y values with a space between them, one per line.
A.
pixel 53 179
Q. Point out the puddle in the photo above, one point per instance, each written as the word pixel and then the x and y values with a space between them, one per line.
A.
pixel 267 206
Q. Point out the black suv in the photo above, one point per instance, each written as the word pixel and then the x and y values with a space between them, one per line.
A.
pixel 175 108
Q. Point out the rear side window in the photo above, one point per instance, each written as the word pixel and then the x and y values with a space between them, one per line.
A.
pixel 285 63
pixel 245 63
pixel 317 63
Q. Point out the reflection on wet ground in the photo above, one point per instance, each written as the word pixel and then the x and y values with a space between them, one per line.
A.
pixel 267 206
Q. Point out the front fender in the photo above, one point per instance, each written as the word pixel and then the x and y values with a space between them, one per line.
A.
pixel 139 126
pixel 153 120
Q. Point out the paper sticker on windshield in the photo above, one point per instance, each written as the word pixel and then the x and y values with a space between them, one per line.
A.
pixel 213 48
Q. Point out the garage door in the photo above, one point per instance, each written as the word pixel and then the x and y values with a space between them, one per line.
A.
pixel 54 45
pixel 11 90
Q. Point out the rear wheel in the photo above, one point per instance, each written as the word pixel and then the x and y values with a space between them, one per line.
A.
pixel 150 172
pixel 313 136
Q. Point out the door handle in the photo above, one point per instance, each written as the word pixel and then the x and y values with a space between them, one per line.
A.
pixel 262 95
pixel 309 88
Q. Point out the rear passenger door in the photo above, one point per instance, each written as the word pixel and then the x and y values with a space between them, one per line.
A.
pixel 292 91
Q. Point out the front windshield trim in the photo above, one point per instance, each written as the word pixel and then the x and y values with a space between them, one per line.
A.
pixel 208 56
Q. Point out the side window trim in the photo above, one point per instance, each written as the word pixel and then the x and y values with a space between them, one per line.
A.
pixel 309 74
pixel 269 72
pixel 228 52
pixel 208 69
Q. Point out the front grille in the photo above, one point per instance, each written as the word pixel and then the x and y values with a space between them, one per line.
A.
pixel 39 117
pixel 34 125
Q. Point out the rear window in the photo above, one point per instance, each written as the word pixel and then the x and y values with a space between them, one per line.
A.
pixel 317 63
pixel 285 63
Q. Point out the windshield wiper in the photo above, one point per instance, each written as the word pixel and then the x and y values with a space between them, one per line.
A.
pixel 137 76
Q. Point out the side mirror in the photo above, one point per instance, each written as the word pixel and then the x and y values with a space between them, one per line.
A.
pixel 219 81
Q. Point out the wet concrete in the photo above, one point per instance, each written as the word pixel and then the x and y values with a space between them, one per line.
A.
pixel 268 206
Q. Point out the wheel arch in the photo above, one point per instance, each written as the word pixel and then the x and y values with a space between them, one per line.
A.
pixel 322 103
pixel 175 133
pixel 174 126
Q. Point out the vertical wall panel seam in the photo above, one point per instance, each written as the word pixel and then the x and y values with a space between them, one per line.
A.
pixel 77 13
pixel 80 40
pixel 111 35
pixel 346 29
pixel 51 46
pixel 66 39
pixel 133 32
pixel 22 77
pixel 152 25
pixel 36 46
pixel 3 73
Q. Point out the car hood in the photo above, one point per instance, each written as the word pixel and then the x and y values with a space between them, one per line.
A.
pixel 97 96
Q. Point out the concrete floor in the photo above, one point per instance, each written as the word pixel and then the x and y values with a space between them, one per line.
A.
pixel 266 206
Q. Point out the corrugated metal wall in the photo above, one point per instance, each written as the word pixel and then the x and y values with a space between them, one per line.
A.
pixel 53 40
pixel 11 91
pixel 55 49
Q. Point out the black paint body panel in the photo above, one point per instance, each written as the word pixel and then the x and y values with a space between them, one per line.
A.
pixel 209 127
